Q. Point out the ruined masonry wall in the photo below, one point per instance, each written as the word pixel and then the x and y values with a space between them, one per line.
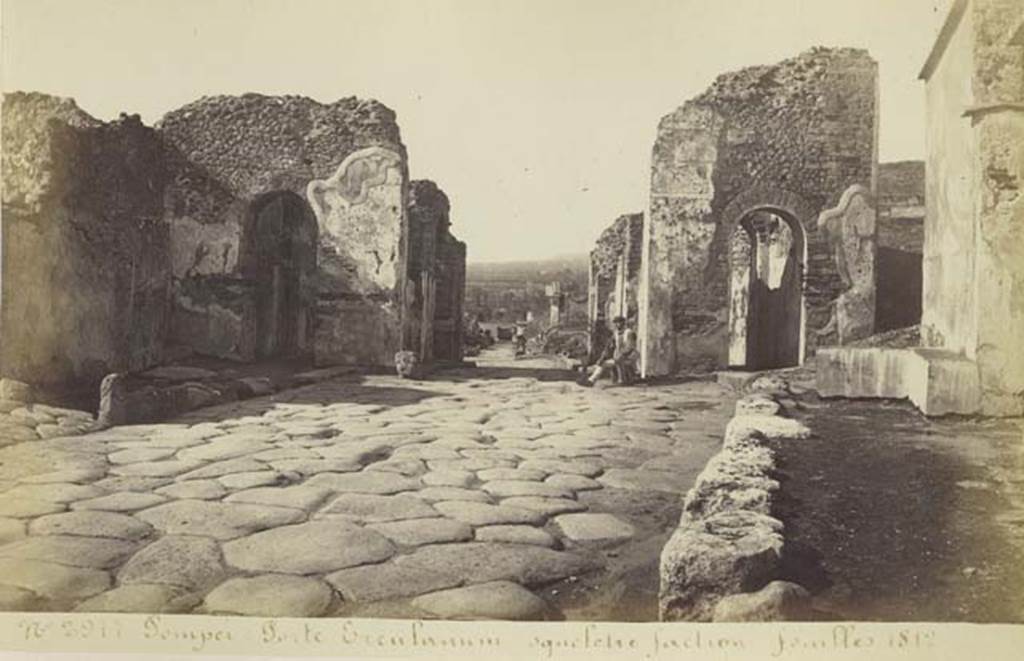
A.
pixel 228 151
pixel 86 273
pixel 794 137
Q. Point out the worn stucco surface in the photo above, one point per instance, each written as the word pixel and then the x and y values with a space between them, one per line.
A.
pixel 227 153
pixel 789 138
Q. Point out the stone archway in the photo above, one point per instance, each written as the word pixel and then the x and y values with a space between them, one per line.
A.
pixel 767 260
pixel 281 247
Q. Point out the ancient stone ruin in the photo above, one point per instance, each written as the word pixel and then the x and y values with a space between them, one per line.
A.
pixel 239 227
pixel 972 316
pixel 437 272
pixel 614 280
pixel 759 242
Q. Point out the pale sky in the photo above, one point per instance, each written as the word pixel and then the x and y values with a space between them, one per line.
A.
pixel 537 117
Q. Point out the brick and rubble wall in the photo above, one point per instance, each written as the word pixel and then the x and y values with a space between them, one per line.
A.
pixel 614 279
pixel 345 164
pixel 791 138
pixel 86 268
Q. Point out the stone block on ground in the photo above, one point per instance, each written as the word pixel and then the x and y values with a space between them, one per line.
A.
pixel 387 580
pixel 308 548
pixel 724 554
pixel 191 563
pixel 371 507
pixel 777 601
pixel 497 600
pixel 270 595
pixel 594 527
pixel 52 580
pixel 416 532
pixel 140 598
pixel 480 562
pixel 91 523
pixel 482 514
pixel 218 520
pixel 512 534
pixel 544 507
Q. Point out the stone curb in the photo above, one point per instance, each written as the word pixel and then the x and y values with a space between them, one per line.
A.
pixel 723 560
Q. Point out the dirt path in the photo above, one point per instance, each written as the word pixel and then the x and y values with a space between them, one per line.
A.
pixel 896 517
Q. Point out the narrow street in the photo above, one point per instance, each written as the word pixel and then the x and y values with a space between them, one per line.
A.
pixel 368 496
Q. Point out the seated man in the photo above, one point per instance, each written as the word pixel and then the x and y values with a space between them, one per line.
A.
pixel 623 360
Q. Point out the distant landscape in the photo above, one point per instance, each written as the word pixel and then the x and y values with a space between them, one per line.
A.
pixel 572 267
pixel 514 290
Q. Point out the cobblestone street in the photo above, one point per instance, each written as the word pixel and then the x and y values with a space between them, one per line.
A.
pixel 504 491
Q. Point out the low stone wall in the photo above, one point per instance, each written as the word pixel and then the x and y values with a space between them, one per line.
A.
pixel 723 561
pixel 937 382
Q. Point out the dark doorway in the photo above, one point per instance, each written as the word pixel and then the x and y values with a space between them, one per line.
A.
pixel 766 304
pixel 283 263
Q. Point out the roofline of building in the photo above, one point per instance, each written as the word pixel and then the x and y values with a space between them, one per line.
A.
pixel 956 12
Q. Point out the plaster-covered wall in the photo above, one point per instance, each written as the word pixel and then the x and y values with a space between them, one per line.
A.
pixel 948 303
pixel 790 138
pixel 974 234
pixel 346 161
pixel 86 268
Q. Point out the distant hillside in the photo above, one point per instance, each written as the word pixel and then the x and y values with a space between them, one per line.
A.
pixel 564 267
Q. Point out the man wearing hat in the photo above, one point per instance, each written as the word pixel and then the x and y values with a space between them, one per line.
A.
pixel 624 356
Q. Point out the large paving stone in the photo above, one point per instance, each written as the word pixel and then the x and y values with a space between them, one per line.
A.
pixel 124 501
pixel 468 464
pixel 482 514
pixel 313 466
pixel 192 563
pixel 251 480
pixel 434 494
pixel 91 523
pixel 299 497
pixel 309 548
pixel 137 455
pixel 216 519
pixel 54 492
pixel 514 535
pixel 449 478
pixel 544 506
pixel 479 562
pixel 644 480
pixel 11 529
pixel 409 467
pixel 73 475
pixel 497 600
pixel 226 447
pixel 585 468
pixel 125 483
pixel 140 598
pixel 166 468
pixel 53 580
pixel 71 550
pixel 221 468
pixel 594 527
pixel 377 482
pixel 416 532
pixel 371 507
pixel 194 489
pixel 270 595
pixel 509 488
pixel 389 581
pixel 521 474
pixel 18 599
pixel 574 482
pixel 25 508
